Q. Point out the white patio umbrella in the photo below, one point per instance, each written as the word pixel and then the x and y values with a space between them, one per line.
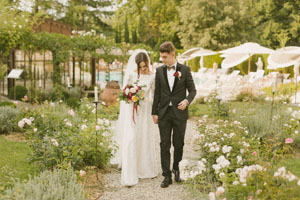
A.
pixel 195 52
pixel 284 57
pixel 232 60
pixel 248 48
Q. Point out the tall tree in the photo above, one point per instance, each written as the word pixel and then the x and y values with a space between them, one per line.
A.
pixel 153 20
pixel 278 22
pixel 215 24
pixel 126 30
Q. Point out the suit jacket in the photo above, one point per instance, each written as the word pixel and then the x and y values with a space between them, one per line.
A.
pixel 163 95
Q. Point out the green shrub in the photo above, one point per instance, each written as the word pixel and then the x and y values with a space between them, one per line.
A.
pixel 59 93
pixel 245 96
pixel 60 136
pixel 8 117
pixel 73 102
pixel 75 92
pixel 55 185
pixel 7 103
pixel 218 107
pixel 20 92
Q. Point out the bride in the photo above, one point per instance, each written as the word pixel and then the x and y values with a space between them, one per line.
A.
pixel 136 154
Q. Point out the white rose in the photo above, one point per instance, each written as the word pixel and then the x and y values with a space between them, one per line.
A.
pixel 132 90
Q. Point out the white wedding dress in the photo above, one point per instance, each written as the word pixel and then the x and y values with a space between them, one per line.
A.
pixel 136 153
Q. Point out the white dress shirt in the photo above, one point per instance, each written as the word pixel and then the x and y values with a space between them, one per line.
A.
pixel 171 77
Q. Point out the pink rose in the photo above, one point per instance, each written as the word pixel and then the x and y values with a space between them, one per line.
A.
pixel 254 153
pixel 289 140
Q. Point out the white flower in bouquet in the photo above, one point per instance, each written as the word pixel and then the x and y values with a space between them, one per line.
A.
pixel 127 91
pixel 222 175
pixel 132 90
pixel 242 151
pixel 31 119
pixel 35 130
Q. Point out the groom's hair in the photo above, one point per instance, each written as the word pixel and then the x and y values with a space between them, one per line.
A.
pixel 167 47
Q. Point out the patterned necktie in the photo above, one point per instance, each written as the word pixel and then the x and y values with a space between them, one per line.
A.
pixel 172 67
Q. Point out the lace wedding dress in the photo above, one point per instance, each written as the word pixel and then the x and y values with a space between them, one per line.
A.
pixel 136 154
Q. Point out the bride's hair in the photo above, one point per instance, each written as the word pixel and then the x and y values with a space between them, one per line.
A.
pixel 141 57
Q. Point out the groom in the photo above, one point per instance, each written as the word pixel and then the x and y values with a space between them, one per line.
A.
pixel 170 108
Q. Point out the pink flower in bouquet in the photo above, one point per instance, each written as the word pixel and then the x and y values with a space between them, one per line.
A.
pixel 289 140
pixel 254 153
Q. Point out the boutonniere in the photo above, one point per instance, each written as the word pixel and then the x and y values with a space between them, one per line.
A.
pixel 177 74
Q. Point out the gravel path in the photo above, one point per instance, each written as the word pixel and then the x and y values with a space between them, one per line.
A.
pixel 148 189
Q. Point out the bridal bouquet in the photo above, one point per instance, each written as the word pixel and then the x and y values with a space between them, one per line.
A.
pixel 133 93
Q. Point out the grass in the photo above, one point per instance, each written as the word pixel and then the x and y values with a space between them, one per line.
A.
pixel 13 164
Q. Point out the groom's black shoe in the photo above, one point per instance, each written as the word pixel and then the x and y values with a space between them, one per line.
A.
pixel 166 182
pixel 177 175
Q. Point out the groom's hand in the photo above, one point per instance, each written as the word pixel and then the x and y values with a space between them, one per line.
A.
pixel 183 104
pixel 155 119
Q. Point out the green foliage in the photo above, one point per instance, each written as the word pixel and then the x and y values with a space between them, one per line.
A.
pixel 60 137
pixel 7 103
pixel 278 22
pixel 151 21
pixel 224 147
pixel 284 92
pixel 56 185
pixel 21 91
pixel 73 102
pixel 217 107
pixel 217 25
pixel 8 116
pixel 247 96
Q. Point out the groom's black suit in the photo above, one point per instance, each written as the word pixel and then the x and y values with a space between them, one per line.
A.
pixel 170 117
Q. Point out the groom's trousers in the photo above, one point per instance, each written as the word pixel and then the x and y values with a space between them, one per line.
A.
pixel 166 125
